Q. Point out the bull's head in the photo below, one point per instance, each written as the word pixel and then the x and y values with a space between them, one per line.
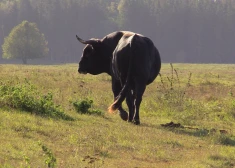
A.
pixel 91 59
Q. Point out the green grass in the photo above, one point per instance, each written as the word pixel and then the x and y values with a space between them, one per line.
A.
pixel 203 103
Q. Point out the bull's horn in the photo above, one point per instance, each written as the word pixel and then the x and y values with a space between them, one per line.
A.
pixel 81 40
pixel 91 42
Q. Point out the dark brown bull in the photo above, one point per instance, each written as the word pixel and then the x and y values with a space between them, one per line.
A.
pixel 130 59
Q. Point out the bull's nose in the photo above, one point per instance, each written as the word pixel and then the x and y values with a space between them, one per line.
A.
pixel 81 71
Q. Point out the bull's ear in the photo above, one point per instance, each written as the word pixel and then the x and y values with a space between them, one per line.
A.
pixel 91 41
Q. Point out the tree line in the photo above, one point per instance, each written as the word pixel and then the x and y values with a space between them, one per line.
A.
pixel 194 31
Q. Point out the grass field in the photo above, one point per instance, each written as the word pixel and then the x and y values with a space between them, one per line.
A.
pixel 39 126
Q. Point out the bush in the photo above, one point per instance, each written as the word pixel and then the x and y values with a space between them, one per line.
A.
pixel 26 98
pixel 83 107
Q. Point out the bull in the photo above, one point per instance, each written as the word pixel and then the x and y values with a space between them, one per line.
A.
pixel 130 59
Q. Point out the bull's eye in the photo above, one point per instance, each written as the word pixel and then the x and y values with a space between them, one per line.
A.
pixel 89 50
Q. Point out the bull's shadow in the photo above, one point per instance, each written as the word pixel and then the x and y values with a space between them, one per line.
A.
pixel 220 138
pixel 190 132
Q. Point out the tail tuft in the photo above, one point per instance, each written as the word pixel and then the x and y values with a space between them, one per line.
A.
pixel 113 107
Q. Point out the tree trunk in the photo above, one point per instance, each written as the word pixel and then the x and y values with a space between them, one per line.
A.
pixel 24 60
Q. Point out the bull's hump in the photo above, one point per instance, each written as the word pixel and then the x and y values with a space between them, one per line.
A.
pixel 114 38
pixel 129 33
pixel 119 34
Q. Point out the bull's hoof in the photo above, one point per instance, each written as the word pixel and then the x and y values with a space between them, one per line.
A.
pixel 123 115
pixel 136 122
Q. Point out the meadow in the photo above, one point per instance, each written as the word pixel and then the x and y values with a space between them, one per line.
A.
pixel 51 116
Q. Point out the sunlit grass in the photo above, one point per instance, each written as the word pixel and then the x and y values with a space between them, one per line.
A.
pixel 206 110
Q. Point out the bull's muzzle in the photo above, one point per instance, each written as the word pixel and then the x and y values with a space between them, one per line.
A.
pixel 81 71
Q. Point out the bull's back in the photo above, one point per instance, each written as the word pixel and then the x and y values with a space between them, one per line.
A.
pixel 137 49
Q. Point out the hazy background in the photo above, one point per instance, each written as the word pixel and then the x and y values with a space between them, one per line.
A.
pixel 190 31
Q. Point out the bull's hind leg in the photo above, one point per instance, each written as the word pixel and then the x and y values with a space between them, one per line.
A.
pixel 116 87
pixel 123 114
pixel 139 91
pixel 130 104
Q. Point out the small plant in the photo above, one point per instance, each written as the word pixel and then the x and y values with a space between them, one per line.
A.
pixel 50 160
pixel 85 107
pixel 27 161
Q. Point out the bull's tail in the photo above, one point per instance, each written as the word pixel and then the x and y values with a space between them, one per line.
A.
pixel 120 98
pixel 122 95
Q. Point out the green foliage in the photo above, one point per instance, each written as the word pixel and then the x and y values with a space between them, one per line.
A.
pixel 25 42
pixel 26 98
pixel 84 107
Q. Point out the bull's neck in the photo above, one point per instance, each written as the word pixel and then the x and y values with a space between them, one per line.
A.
pixel 110 45
pixel 108 54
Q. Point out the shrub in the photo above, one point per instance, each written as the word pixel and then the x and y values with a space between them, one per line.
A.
pixel 26 98
pixel 85 107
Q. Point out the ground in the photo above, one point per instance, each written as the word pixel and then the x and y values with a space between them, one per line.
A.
pixel 198 97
